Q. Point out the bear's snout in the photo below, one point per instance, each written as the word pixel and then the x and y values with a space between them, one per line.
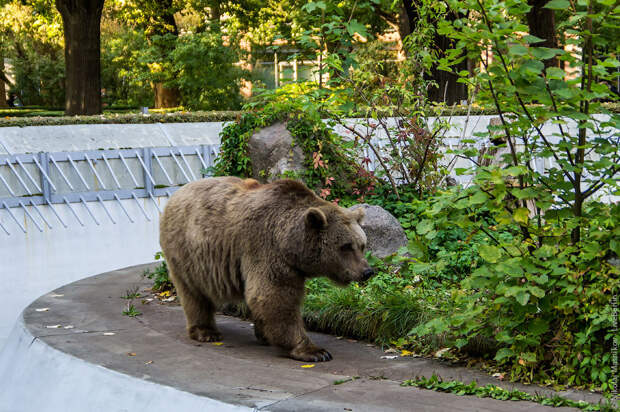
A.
pixel 368 273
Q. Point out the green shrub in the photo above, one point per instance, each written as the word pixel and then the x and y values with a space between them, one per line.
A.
pixel 331 165
pixel 156 116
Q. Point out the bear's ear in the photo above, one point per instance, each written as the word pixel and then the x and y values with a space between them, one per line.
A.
pixel 358 214
pixel 315 218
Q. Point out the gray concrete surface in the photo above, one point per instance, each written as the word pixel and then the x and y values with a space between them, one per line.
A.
pixel 34 139
pixel 97 359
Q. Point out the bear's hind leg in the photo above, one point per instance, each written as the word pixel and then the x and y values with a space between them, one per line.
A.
pixel 200 315
pixel 258 332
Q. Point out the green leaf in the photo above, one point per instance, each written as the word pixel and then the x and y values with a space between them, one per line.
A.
pixel 355 26
pixel 514 171
pixel 424 226
pixel 614 245
pixel 544 53
pixel 532 39
pixel 542 279
pixel 555 73
pixel 538 326
pixel 545 251
pixel 478 198
pixel 504 353
pixel 522 297
pixel 558 5
pixel 491 254
pixel 533 67
pixel 536 291
pixel 517 49
pixel 521 215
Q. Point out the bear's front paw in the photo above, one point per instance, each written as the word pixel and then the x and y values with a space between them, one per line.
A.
pixel 203 334
pixel 311 354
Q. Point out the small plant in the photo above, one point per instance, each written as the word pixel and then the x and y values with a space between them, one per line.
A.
pixel 131 311
pixel 159 275
pixel 493 391
pixel 132 293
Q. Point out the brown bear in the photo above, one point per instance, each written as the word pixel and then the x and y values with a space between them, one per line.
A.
pixel 226 239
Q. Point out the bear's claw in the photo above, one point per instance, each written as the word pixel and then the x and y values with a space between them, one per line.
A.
pixel 202 334
pixel 315 355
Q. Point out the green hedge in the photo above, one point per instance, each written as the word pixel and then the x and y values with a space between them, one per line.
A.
pixel 42 117
pixel 125 118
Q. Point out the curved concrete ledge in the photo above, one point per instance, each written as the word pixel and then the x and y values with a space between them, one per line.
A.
pixel 78 352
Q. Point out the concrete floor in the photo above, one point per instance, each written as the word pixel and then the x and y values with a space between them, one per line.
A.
pixel 148 363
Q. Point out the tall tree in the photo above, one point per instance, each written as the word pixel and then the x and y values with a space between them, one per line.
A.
pixel 81 21
pixel 156 18
pixel 447 89
pixel 3 82
pixel 541 22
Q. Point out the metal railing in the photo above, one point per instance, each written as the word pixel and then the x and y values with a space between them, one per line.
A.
pixel 94 177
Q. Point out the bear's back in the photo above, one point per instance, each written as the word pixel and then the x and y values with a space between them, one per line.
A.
pixel 209 225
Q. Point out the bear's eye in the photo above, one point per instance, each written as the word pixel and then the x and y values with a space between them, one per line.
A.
pixel 347 247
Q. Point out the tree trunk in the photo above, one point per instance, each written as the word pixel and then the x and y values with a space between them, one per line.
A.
pixel 447 89
pixel 81 20
pixel 166 96
pixel 541 22
pixel 3 102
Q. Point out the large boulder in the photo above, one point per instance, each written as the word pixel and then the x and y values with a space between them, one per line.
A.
pixel 384 232
pixel 273 152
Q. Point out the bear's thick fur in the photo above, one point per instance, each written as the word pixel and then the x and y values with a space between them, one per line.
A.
pixel 227 239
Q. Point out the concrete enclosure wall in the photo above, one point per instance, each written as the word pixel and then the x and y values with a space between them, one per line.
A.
pixel 43 247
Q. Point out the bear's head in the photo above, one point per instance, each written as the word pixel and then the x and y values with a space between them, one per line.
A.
pixel 335 244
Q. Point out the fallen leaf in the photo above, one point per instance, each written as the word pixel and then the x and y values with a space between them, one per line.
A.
pixel 405 353
pixel 69 327
pixel 57 295
pixel 53 326
pixel 440 352
pixel 308 366
pixel 391 350
pixel 131 354
pixel 170 299
pixel 165 294
pixel 217 343
pixel 42 309
pixel 148 363
pixel 521 362
pixel 108 333
pixel 389 357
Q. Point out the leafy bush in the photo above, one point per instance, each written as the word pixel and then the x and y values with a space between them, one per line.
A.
pixel 206 71
pixel 118 118
pixel 31 37
pixel 123 73
pixel 542 297
pixel 331 166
